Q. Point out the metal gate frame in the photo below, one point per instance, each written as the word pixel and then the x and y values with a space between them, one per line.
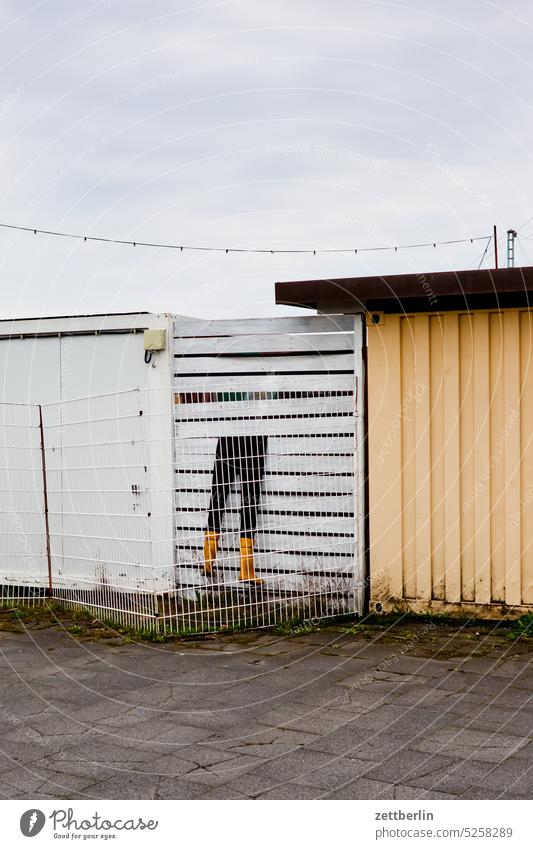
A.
pixel 215 362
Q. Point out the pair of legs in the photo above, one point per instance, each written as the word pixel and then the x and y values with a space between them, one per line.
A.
pixel 242 457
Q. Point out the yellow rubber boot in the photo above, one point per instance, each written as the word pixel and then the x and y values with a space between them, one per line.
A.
pixel 247 572
pixel 210 551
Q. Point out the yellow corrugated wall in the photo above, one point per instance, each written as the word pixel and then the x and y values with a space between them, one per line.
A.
pixel 450 429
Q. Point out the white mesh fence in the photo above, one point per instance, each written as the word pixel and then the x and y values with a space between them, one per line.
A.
pixel 23 556
pixel 260 522
pixel 98 495
pixel 268 467
pixel 265 524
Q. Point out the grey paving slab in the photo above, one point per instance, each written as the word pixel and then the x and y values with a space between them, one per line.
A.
pixel 236 765
pixel 342 741
pixel 524 752
pixel 264 716
pixel 478 745
pixel 177 788
pixel 54 742
pixel 396 718
pixel 87 770
pixel 405 791
pixel 166 765
pixel 24 752
pixel 54 724
pixel 508 667
pixel 96 750
pixel 307 719
pixel 403 718
pixel 32 779
pixel 487 793
pixel 124 787
pixel 289 738
pixel 294 767
pixel 221 791
pixel 167 732
pixel 362 788
pixel 510 776
pixel 321 696
pixel 404 765
pixel 468 779
pixel 420 695
pixel 289 791
pixel 335 772
pixel 206 755
pixel 518 722
pixel 461 775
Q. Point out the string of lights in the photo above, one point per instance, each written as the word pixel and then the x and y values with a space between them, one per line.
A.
pixel 487 246
pixel 206 248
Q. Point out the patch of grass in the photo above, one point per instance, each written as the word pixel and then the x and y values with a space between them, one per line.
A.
pixel 522 629
pixel 401 628
pixel 295 627
pixel 356 628
pixel 21 613
pixel 151 636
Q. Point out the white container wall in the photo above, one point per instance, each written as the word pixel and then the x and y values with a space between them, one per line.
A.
pixel 23 557
pixel 108 449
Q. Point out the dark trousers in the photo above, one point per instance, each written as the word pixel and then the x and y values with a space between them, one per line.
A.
pixel 242 456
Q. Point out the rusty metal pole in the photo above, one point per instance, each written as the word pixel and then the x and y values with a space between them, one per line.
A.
pixel 45 496
pixel 495 248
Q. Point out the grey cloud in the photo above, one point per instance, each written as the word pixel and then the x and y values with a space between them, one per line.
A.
pixel 305 124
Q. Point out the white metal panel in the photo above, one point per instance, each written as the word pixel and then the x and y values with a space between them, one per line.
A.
pixel 51 359
pixel 281 445
pixel 307 403
pixel 303 522
pixel 279 464
pixel 262 383
pixel 85 324
pixel 309 484
pixel 23 561
pixel 30 370
pixel 95 365
pixel 286 407
pixel 293 343
pixel 302 426
pixel 98 540
pixel 192 327
pixel 110 479
pixel 285 542
pixel 338 504
pixel 230 365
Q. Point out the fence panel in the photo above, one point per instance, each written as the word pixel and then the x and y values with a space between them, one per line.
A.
pixel 274 419
pixel 99 506
pixel 23 557
pixel 267 491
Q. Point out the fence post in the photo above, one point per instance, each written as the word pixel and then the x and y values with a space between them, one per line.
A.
pixel 45 496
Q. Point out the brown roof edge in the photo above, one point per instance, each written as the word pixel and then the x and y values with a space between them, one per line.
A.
pixel 421 292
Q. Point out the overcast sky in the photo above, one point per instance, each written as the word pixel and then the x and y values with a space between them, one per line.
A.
pixel 302 124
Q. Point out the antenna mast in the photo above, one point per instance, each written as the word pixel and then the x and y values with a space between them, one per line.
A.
pixel 511 236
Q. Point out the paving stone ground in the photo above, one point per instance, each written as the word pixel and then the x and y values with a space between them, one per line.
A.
pixel 438 714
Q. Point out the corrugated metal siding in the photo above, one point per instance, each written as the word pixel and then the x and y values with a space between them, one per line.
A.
pixel 450 404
